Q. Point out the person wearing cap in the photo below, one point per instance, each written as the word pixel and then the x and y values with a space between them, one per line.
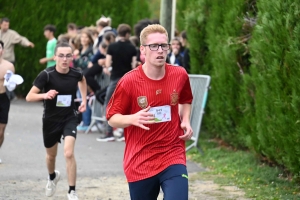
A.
pixel 4 100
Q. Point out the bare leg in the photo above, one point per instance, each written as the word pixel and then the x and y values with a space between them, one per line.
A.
pixel 50 158
pixel 70 159
pixel 2 129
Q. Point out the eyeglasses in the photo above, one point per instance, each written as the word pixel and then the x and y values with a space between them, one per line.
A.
pixel 68 56
pixel 154 47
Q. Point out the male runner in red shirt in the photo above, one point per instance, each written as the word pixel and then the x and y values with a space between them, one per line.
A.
pixel 153 104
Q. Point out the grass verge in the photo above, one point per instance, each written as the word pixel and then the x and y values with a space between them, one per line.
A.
pixel 243 169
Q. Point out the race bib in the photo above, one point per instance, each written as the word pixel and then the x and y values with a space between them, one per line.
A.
pixel 63 100
pixel 161 113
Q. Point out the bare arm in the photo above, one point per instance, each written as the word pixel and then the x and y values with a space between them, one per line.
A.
pixel 33 94
pixel 18 39
pixel 120 121
pixel 138 119
pixel 133 62
pixel 83 89
pixel 108 60
pixel 44 60
pixel 11 67
pixel 185 113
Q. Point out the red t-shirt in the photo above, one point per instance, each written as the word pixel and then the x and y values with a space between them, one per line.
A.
pixel 147 153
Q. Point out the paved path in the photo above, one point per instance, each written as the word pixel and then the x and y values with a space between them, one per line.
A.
pixel 23 172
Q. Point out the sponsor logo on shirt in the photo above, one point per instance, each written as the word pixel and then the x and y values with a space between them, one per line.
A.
pixel 158 91
pixel 142 102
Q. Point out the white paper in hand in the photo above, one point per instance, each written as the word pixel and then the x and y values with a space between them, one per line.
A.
pixel 11 80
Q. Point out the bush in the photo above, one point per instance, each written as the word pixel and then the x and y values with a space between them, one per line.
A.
pixel 28 17
pixel 254 101
pixel 274 81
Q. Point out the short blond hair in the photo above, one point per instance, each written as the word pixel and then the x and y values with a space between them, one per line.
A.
pixel 153 28
pixel 104 21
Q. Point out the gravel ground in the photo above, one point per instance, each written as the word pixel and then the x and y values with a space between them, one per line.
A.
pixel 23 173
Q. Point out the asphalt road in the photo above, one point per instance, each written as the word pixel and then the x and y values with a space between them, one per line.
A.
pixel 23 155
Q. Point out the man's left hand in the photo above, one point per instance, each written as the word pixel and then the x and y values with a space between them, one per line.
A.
pixel 188 131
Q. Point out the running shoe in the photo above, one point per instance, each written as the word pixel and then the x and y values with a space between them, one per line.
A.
pixel 107 138
pixel 72 195
pixel 121 139
pixel 51 185
pixel 82 128
pixel 118 132
pixel 98 127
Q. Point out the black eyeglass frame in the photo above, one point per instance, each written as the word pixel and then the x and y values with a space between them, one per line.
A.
pixel 158 45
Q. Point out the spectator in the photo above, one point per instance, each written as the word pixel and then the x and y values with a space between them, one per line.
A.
pixel 94 32
pixel 10 38
pixel 49 31
pixel 82 57
pixel 135 42
pixel 186 53
pixel 85 53
pixel 72 29
pixel 175 57
pixel 103 26
pixel 121 56
pixel 63 38
pixel 95 69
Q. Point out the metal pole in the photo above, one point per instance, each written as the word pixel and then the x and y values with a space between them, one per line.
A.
pixel 173 19
pixel 166 15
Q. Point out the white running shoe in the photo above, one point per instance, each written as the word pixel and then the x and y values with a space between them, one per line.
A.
pixel 98 127
pixel 118 132
pixel 72 195
pixel 106 138
pixel 121 139
pixel 51 185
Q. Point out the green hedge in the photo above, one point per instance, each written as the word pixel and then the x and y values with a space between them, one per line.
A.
pixel 275 81
pixel 28 17
pixel 254 101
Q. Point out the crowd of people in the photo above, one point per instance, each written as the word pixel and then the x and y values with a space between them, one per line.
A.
pixel 103 49
pixel 147 97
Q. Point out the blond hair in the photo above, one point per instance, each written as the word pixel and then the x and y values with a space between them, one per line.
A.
pixel 153 28
pixel 104 21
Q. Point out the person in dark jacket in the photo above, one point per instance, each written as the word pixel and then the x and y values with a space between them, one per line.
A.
pixel 186 52
pixel 175 57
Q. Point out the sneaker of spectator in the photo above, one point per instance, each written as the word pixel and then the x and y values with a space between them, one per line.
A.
pixel 98 127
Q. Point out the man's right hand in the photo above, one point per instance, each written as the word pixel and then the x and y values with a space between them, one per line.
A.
pixel 50 94
pixel 143 117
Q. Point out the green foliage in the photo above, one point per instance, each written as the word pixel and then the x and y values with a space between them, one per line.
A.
pixel 28 17
pixel 274 81
pixel 195 18
pixel 243 169
pixel 181 6
pixel 254 101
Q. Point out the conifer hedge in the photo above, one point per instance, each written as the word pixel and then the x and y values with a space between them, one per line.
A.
pixel 28 17
pixel 251 50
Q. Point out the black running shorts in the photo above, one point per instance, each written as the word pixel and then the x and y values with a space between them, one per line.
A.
pixel 4 108
pixel 53 131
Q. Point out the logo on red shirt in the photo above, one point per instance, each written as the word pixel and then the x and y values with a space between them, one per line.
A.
pixel 142 101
